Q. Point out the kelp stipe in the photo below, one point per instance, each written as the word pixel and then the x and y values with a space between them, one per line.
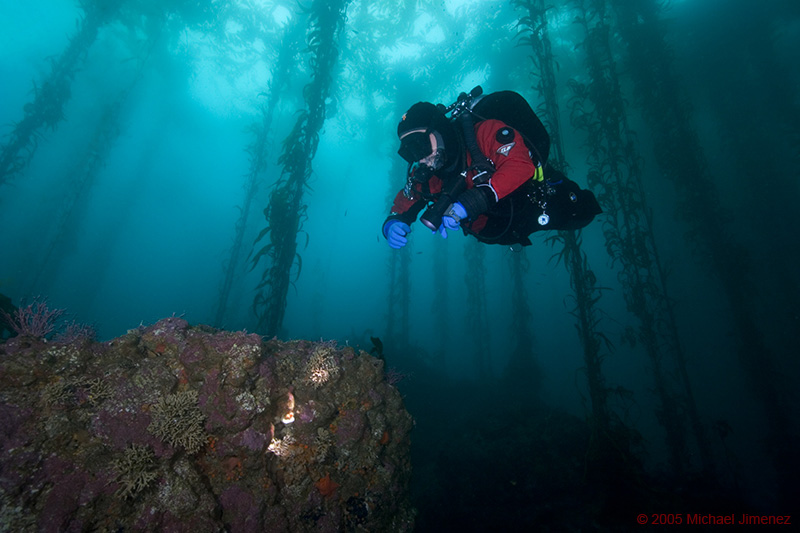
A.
pixel 259 153
pixel 477 303
pixel 46 109
pixel 669 116
pixel 286 211
pixel 612 441
pixel 598 108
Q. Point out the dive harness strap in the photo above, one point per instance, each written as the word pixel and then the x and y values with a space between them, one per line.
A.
pixel 455 188
pixel 478 199
pixel 481 164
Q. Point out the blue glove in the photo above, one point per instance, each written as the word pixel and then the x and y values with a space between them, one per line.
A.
pixel 452 219
pixel 395 232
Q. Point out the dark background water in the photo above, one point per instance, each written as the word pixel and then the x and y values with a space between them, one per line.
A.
pixel 125 211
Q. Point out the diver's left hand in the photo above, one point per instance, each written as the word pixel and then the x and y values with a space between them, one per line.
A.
pixel 452 220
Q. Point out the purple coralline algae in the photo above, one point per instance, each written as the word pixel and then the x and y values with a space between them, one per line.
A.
pixel 174 427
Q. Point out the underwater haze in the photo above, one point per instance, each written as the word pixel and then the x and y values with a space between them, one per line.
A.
pixel 232 163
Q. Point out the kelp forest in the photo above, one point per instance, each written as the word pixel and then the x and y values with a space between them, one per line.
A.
pixel 231 163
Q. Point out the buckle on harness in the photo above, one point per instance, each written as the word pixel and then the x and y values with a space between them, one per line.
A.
pixel 481 177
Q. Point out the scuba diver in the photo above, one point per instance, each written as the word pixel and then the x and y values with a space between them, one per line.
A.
pixel 482 170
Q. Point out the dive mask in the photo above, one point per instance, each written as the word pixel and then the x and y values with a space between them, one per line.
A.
pixel 415 145
pixel 423 169
pixel 424 151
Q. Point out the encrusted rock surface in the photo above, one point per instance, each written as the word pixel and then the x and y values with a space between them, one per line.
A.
pixel 180 428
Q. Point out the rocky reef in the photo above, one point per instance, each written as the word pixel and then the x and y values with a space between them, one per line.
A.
pixel 179 428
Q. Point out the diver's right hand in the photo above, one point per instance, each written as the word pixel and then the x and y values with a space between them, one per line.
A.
pixel 395 232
